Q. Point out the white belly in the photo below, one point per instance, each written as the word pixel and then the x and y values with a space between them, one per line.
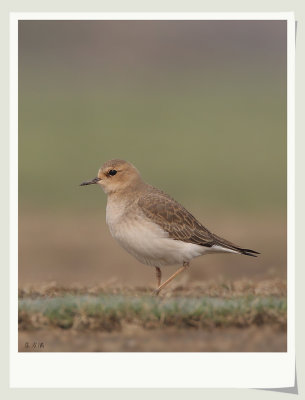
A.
pixel 147 242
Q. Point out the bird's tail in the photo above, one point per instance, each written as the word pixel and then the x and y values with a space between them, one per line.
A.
pixel 231 246
pixel 248 252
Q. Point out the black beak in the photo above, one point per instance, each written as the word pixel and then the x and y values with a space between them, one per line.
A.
pixel 93 182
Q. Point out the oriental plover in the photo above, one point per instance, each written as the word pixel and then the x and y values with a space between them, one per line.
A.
pixel 152 226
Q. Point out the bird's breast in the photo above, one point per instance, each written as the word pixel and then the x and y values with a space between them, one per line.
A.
pixel 131 228
pixel 114 213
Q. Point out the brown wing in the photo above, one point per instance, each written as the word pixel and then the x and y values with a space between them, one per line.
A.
pixel 174 218
pixel 180 224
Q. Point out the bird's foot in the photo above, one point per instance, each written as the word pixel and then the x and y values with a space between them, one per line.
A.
pixel 156 292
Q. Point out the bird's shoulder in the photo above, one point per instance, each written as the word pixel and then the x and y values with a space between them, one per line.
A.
pixel 171 216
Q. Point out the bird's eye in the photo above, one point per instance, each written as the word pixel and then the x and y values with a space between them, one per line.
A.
pixel 112 172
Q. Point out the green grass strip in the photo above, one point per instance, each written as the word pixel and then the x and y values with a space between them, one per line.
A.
pixel 110 311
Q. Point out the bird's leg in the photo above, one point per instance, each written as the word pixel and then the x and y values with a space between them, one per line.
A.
pixel 158 274
pixel 181 269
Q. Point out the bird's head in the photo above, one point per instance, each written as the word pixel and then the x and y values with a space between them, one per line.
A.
pixel 116 176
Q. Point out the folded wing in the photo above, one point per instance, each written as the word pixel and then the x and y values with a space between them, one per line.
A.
pixel 180 224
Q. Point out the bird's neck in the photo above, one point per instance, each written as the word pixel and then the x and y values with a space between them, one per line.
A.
pixel 129 193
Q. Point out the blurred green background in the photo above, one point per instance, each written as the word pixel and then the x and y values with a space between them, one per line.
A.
pixel 198 106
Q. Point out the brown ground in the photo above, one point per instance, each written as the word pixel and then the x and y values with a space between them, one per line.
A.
pixel 36 334
pixel 133 338
pixel 223 289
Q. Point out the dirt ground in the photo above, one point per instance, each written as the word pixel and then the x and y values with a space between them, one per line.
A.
pixel 134 339
pixel 268 333
pixel 225 289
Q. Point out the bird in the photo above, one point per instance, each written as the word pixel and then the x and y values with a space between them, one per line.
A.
pixel 151 225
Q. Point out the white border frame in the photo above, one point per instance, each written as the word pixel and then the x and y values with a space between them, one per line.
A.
pixel 150 370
